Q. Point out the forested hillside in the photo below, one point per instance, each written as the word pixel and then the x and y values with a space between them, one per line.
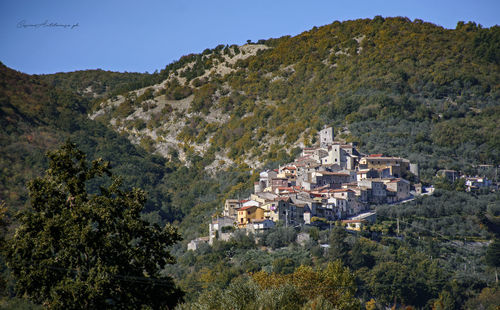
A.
pixel 408 88
pixel 198 131
pixel 36 117
pixel 98 83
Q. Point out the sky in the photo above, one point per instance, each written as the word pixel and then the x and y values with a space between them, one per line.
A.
pixel 48 36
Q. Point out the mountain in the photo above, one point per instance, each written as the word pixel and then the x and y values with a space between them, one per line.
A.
pixel 394 86
pixel 397 87
pixel 198 131
pixel 37 117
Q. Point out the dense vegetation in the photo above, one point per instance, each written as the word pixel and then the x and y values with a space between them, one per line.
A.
pixel 36 118
pixel 435 260
pixel 422 265
pixel 408 88
pixel 402 88
pixel 76 250
pixel 98 83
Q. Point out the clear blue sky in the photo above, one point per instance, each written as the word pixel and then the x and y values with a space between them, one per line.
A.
pixel 139 36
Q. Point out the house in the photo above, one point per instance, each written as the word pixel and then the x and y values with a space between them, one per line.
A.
pixel 341 208
pixel 195 243
pixel 332 208
pixel 360 192
pixel 321 178
pixel 260 225
pixel 399 186
pixel 355 225
pixel 265 178
pixel 319 155
pixel 306 152
pixel 418 189
pixel 217 226
pixel 286 212
pixel 230 207
pixel 344 155
pixel 263 197
pixel 450 175
pixel 248 214
pixel 475 183
pixel 376 190
pixel 269 209
pixel 342 202
pixel 278 182
pixel 373 173
pixel 398 166
pixel 289 172
pixel 344 193
pixel 285 190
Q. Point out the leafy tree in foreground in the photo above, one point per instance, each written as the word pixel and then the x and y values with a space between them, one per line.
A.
pixel 76 250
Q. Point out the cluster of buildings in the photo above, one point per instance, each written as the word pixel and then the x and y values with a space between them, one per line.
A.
pixel 330 182
pixel 472 183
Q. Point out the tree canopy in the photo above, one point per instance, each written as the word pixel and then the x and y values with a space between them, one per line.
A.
pixel 80 250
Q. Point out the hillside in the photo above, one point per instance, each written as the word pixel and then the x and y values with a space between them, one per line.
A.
pixel 36 117
pixel 410 89
pixel 394 86
pixel 98 83
pixel 197 132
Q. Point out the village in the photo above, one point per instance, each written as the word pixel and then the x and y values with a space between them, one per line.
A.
pixel 331 182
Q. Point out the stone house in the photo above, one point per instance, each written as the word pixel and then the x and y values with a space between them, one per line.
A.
pixel 230 207
pixel 195 243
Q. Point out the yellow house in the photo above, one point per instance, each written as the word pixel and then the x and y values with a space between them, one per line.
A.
pixel 249 214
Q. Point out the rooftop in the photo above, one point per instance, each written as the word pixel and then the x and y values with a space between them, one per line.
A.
pixel 246 208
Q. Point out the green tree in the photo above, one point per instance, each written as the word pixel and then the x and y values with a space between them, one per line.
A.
pixel 78 250
pixel 360 257
pixel 393 282
pixel 493 256
pixel 339 248
pixel 3 230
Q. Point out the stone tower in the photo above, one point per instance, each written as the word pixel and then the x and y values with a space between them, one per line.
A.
pixel 326 137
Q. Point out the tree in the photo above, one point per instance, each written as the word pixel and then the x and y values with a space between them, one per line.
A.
pixel 393 282
pixel 360 257
pixel 80 250
pixel 3 230
pixel 335 283
pixel 333 287
pixel 493 256
pixel 339 248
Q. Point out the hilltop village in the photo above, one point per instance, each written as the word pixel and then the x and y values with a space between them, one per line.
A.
pixel 331 182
